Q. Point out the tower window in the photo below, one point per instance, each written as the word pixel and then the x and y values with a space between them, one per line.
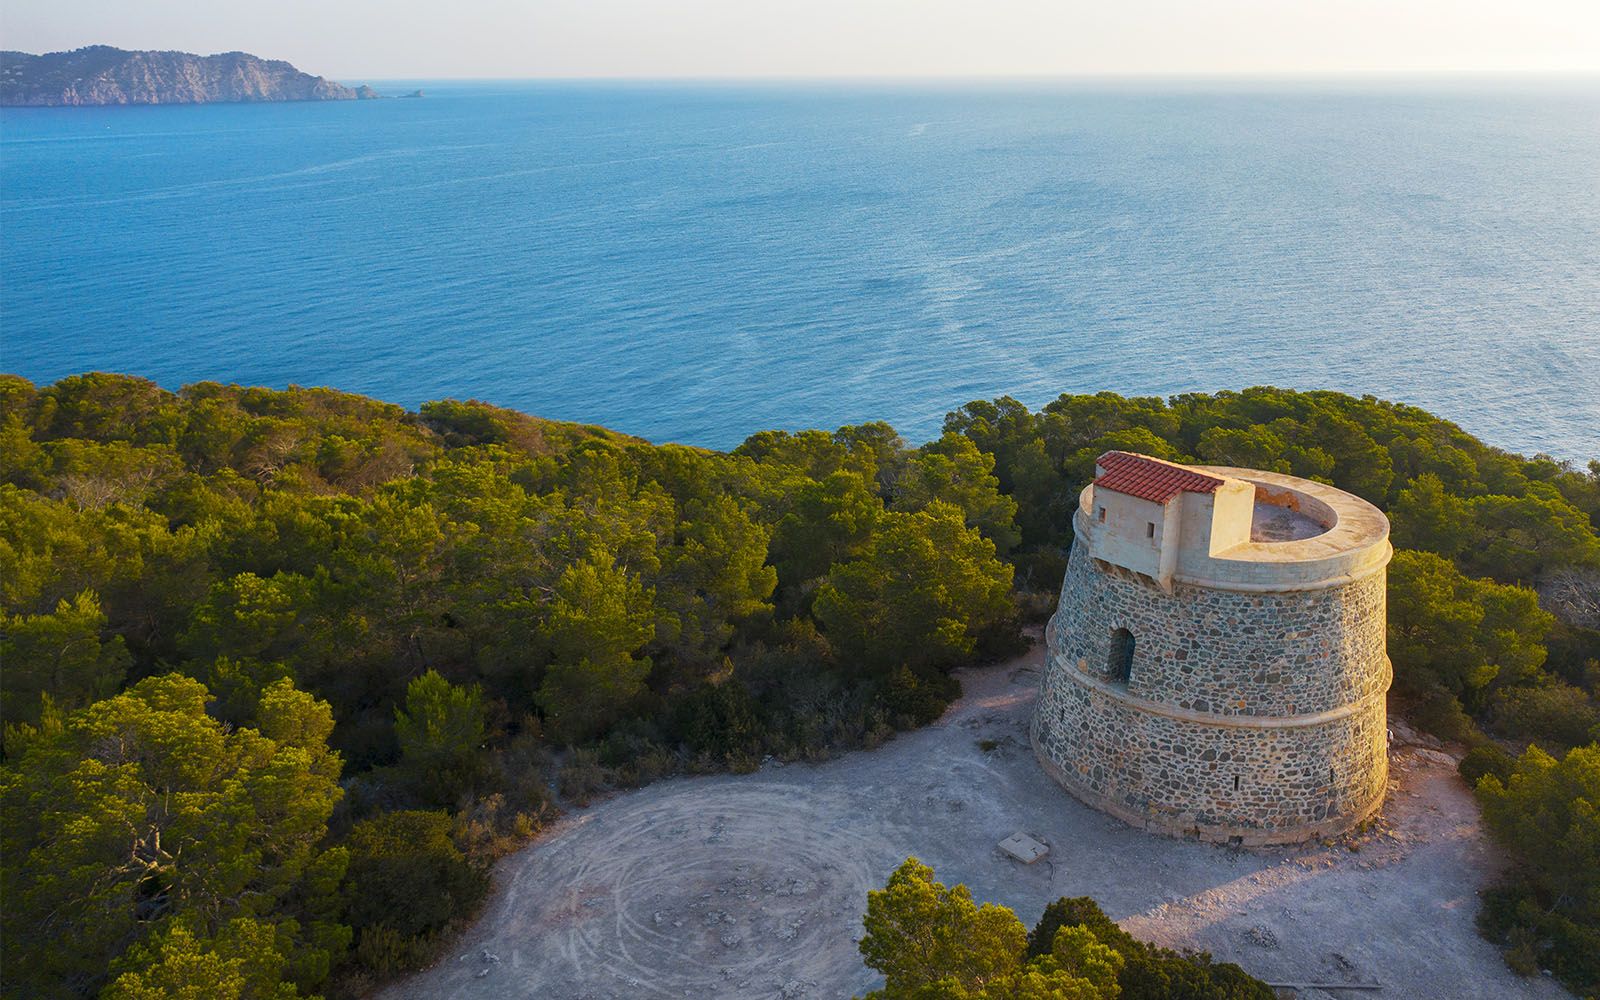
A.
pixel 1102 514
pixel 1236 782
pixel 1150 529
pixel 1119 665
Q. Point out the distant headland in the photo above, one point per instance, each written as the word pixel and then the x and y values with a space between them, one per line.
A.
pixel 101 74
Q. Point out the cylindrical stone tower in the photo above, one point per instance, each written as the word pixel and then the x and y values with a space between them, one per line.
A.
pixel 1216 666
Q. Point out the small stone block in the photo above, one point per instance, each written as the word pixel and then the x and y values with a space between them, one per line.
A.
pixel 1024 848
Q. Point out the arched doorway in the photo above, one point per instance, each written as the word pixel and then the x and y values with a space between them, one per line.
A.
pixel 1119 667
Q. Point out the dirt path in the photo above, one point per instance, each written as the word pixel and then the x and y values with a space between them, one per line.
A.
pixel 754 886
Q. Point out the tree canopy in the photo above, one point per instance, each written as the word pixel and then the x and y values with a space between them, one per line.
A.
pixel 141 812
pixel 248 632
pixel 257 622
pixel 933 942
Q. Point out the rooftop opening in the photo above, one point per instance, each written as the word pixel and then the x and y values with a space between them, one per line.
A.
pixel 1270 523
pixel 1282 515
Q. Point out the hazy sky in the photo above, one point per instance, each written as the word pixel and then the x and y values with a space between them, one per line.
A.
pixel 355 39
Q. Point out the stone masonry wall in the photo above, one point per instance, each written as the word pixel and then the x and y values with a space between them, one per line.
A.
pixel 1182 777
pixel 1250 716
pixel 1227 652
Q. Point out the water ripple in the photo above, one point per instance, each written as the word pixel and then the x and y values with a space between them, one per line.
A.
pixel 697 263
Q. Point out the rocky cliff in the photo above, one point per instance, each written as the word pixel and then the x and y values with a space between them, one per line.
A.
pixel 101 74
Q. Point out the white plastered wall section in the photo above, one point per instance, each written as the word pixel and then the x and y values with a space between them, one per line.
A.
pixel 1160 540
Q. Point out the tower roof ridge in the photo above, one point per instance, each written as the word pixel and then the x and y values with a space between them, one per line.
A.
pixel 1153 479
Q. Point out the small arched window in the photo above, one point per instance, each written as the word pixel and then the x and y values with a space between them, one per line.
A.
pixel 1119 666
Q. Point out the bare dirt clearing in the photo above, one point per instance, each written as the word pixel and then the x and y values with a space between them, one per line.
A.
pixel 754 886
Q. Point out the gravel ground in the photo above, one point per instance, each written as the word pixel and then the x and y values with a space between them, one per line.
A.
pixel 754 885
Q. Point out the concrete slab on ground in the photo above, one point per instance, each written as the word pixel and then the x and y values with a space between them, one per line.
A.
pixel 1023 848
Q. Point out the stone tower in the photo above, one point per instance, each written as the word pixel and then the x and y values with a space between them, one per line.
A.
pixel 1216 666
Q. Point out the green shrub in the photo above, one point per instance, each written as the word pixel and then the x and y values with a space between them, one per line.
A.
pixel 440 731
pixel 1544 815
pixel 917 698
pixel 931 940
pixel 720 721
pixel 494 825
pixel 582 776
pixel 1148 972
pixel 1034 607
pixel 1555 715
pixel 407 875
pixel 1533 938
pixel 384 951
pixel 1439 712
pixel 1485 759
pixel 1072 911
pixel 1040 573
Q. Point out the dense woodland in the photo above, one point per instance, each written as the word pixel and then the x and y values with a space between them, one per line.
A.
pixel 282 671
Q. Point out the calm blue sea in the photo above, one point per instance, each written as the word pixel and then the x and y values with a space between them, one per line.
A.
pixel 698 262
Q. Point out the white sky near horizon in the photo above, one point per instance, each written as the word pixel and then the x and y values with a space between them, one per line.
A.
pixel 352 40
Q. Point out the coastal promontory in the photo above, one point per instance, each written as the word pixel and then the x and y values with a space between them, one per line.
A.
pixel 101 74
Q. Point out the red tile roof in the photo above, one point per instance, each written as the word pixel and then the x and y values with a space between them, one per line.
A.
pixel 1150 478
